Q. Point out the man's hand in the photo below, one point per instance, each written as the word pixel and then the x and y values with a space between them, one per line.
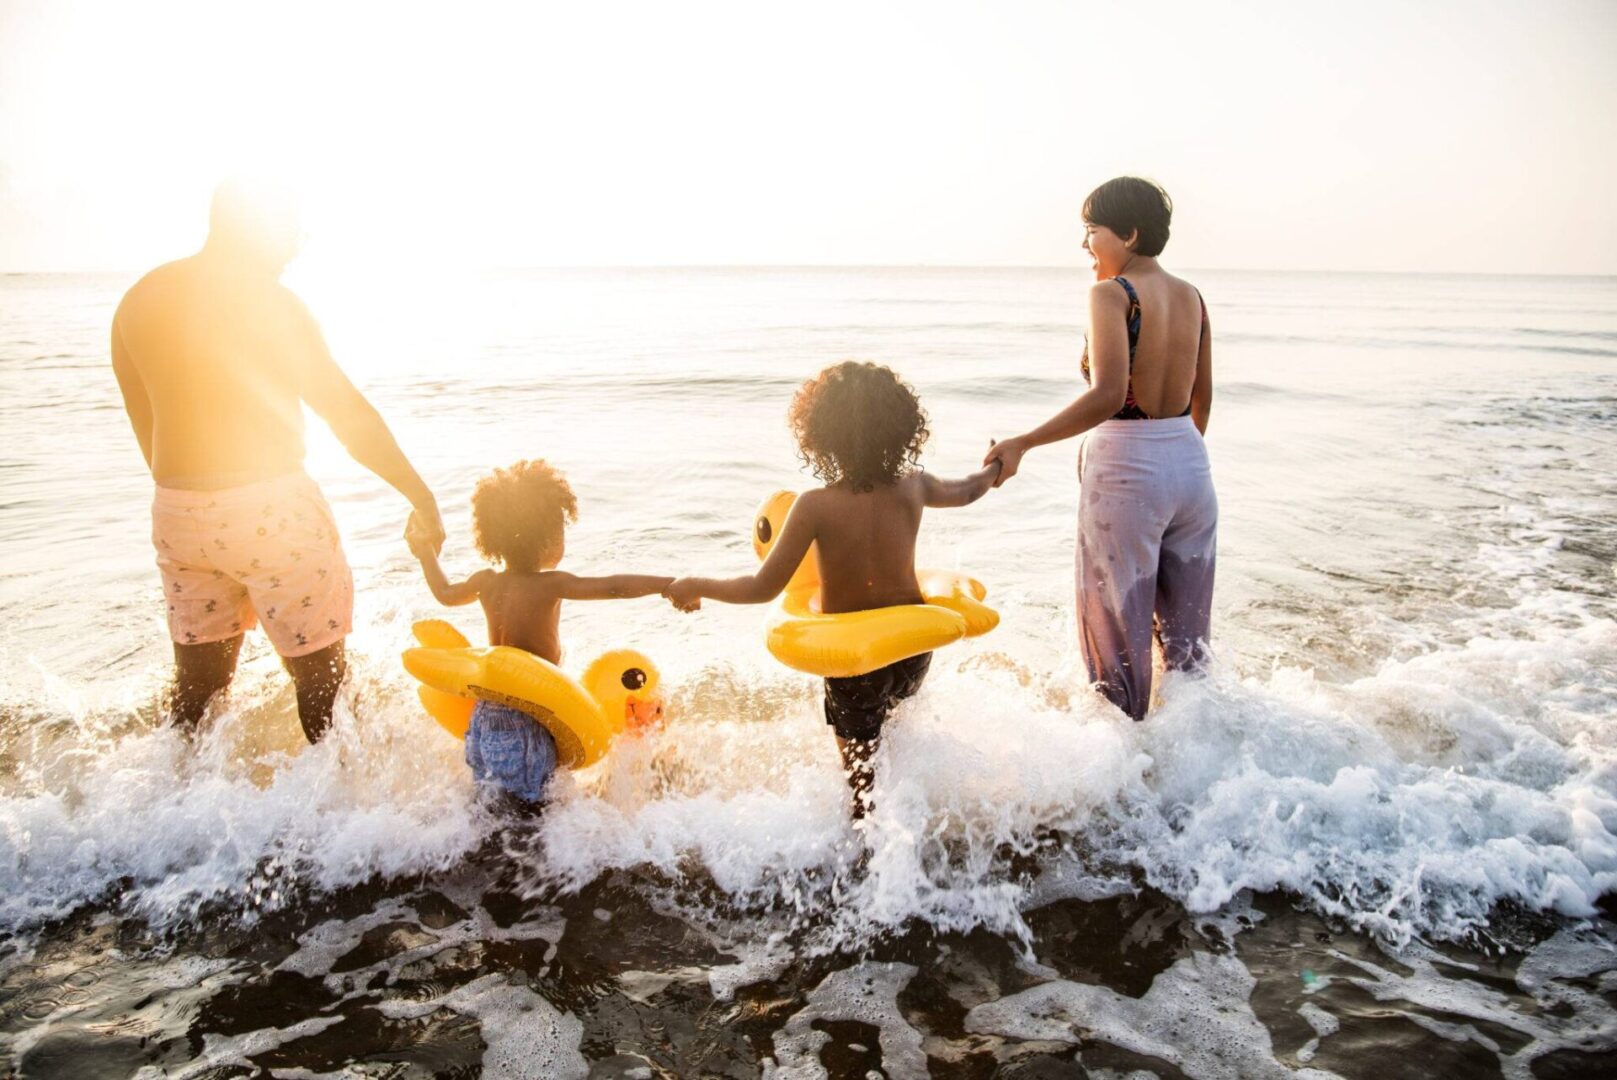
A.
pixel 424 539
pixel 685 594
pixel 425 528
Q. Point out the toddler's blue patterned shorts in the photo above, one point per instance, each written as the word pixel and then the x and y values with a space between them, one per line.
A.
pixel 510 750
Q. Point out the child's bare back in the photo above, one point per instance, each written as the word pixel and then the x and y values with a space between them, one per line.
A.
pixel 523 610
pixel 866 542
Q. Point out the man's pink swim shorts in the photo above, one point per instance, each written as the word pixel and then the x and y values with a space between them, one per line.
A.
pixel 266 551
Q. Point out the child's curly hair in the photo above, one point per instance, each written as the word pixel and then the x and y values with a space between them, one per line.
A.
pixel 858 422
pixel 519 514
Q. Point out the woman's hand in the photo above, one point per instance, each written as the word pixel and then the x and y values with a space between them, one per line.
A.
pixel 1008 452
pixel 685 594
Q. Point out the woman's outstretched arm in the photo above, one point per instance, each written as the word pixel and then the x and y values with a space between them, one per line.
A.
pixel 1109 364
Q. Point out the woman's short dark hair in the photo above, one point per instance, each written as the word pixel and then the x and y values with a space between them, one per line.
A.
pixel 1129 203
pixel 860 423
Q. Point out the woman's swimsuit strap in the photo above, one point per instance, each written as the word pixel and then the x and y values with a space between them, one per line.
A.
pixel 1131 410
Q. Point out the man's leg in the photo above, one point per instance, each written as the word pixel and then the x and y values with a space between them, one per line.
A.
pixel 200 671
pixel 317 677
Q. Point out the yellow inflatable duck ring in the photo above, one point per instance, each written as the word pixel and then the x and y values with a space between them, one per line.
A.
pixel 621 689
pixel 800 636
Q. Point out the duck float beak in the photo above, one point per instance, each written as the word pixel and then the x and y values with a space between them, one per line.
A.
pixel 643 715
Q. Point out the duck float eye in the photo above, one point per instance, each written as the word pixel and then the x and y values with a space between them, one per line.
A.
pixel 764 530
pixel 633 679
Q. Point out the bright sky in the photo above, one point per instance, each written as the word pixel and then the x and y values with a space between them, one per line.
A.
pixel 1360 135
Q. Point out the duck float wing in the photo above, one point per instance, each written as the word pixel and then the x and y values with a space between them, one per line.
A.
pixel 961 594
pixel 453 712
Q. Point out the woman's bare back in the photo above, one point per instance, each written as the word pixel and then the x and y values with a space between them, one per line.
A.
pixel 1164 369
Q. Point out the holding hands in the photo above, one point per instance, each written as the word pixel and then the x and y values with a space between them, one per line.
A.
pixel 685 594
pixel 425 536
pixel 1008 453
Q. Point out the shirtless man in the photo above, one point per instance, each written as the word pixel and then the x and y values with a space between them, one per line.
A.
pixel 215 358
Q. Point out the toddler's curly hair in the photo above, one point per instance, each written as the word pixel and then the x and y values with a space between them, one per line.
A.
pixel 858 422
pixel 520 514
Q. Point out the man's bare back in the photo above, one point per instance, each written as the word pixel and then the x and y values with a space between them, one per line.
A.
pixel 224 357
pixel 214 355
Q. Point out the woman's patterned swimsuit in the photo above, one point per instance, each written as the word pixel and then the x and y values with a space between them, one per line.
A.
pixel 1130 410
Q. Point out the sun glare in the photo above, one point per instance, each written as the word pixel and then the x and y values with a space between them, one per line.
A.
pixel 739 134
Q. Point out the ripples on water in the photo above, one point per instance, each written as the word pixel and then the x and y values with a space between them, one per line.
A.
pixel 1368 842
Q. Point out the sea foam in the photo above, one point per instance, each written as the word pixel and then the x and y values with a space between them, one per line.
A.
pixel 1408 803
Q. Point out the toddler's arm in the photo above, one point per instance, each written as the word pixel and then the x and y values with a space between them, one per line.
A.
pixel 942 493
pixel 784 558
pixel 612 587
pixel 446 592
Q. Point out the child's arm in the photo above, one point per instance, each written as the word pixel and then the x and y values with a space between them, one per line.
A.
pixel 612 587
pixel 942 493
pixel 784 558
pixel 446 592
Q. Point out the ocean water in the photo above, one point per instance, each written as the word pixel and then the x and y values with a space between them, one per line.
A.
pixel 1378 838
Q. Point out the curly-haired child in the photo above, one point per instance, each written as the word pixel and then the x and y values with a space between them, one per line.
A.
pixel 860 429
pixel 519 521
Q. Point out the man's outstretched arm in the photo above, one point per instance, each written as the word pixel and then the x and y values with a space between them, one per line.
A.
pixel 362 431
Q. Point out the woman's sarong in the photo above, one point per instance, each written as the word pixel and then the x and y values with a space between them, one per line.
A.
pixel 1147 535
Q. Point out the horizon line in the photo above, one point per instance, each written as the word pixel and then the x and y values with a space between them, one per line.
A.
pixel 518 268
